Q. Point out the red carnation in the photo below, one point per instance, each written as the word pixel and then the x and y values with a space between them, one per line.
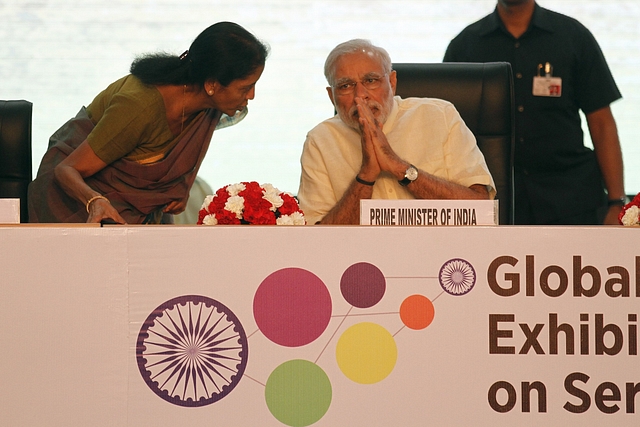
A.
pixel 289 205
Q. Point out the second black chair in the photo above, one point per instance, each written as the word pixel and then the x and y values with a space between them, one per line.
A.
pixel 483 95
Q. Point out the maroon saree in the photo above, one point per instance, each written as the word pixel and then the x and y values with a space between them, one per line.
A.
pixel 137 191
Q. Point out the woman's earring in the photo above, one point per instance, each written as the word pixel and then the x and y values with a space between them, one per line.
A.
pixel 210 92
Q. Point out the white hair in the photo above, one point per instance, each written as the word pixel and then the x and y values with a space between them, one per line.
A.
pixel 353 46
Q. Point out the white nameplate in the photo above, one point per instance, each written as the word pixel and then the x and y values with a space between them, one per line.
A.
pixel 9 211
pixel 428 212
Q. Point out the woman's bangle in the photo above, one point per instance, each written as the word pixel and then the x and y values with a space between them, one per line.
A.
pixel 93 199
pixel 363 182
pixel 617 202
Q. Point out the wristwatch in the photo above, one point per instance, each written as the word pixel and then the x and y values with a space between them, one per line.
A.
pixel 410 175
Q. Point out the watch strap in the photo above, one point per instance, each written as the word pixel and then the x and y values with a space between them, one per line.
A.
pixel 405 181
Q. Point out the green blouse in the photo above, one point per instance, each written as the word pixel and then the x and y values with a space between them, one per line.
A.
pixel 131 122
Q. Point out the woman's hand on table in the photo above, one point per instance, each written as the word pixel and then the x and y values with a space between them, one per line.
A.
pixel 101 209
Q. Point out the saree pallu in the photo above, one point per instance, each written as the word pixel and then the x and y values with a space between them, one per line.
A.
pixel 137 191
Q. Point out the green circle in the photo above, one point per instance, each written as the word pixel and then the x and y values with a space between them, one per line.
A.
pixel 298 393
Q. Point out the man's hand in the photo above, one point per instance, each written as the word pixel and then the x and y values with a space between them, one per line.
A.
pixel 370 168
pixel 375 146
pixel 377 154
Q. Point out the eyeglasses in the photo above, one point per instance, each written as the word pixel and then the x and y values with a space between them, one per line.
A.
pixel 370 82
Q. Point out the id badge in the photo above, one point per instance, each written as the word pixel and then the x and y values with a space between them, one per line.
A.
pixel 547 86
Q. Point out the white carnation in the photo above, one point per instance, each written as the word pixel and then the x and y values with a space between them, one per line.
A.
pixel 268 188
pixel 295 218
pixel 207 202
pixel 235 204
pixel 284 220
pixel 210 220
pixel 234 189
pixel 275 200
pixel 631 216
pixel 298 218
pixel 272 195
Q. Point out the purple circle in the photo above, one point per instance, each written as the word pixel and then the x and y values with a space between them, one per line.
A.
pixel 292 307
pixel 192 351
pixel 457 277
pixel 362 285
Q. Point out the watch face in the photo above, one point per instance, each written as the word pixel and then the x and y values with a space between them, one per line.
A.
pixel 412 173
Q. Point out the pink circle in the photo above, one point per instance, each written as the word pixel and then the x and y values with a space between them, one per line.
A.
pixel 292 307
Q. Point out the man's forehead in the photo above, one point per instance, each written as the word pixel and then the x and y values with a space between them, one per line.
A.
pixel 358 64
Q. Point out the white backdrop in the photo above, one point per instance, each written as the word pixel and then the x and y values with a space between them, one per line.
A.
pixel 59 54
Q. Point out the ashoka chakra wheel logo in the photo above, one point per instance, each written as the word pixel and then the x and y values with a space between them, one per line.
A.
pixel 192 351
pixel 457 277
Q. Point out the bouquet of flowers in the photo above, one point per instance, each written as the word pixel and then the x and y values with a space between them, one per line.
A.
pixel 630 213
pixel 250 203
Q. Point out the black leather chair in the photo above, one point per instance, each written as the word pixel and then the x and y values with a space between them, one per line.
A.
pixel 15 152
pixel 483 95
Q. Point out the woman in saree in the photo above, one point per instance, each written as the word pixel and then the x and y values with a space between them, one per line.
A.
pixel 132 155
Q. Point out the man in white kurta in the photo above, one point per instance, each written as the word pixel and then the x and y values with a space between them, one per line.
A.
pixel 427 132
pixel 384 147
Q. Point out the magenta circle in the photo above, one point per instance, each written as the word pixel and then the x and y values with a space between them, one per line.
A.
pixel 292 307
pixel 362 285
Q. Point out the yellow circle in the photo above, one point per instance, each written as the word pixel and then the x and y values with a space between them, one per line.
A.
pixel 366 353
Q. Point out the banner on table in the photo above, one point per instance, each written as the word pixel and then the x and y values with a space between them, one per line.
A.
pixel 322 326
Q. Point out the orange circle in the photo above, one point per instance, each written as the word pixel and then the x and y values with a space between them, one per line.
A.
pixel 417 312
